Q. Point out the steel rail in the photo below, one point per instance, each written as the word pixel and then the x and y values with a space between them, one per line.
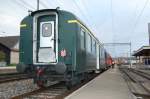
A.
pixel 143 74
pixel 133 79
pixel 13 77
pixel 53 91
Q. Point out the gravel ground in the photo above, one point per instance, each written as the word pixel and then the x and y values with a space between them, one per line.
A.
pixel 8 90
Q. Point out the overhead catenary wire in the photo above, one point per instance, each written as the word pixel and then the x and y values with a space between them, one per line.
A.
pixel 43 4
pixel 20 4
pixel 73 10
pixel 27 4
pixel 86 10
pixel 139 16
pixel 133 16
pixel 135 10
pixel 82 12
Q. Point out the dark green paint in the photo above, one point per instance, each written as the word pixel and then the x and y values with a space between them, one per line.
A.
pixel 26 41
pixel 69 38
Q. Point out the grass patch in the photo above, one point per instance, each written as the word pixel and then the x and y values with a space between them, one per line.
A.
pixel 14 65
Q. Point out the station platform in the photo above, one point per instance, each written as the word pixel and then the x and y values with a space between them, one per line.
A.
pixel 108 85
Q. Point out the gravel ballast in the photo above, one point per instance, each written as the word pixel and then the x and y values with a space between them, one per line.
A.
pixel 8 90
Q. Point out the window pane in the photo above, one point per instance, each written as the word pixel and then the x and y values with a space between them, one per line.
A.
pixel 89 41
pixel 82 39
pixel 92 45
pixel 95 47
pixel 46 29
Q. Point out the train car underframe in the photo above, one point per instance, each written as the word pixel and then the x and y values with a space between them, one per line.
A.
pixel 46 74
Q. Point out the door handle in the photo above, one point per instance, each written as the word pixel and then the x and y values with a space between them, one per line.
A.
pixel 53 39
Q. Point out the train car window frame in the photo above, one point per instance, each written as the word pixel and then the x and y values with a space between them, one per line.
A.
pixel 82 39
pixel 49 33
pixel 91 42
pixel 99 53
pixel 93 46
pixel 88 42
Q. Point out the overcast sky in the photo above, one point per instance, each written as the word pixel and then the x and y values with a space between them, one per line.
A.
pixel 110 20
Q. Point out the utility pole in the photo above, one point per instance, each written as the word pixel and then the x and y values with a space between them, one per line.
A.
pixel 38 1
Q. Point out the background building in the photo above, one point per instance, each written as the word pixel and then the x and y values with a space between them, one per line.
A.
pixel 143 55
pixel 9 47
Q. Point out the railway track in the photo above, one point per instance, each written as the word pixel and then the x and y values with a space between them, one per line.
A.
pixel 142 73
pixel 138 82
pixel 44 93
pixel 8 77
pixel 55 91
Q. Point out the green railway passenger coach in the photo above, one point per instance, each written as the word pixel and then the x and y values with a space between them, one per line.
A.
pixel 56 45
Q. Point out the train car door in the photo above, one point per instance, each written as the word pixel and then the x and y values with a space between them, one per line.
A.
pixel 45 38
pixel 46 51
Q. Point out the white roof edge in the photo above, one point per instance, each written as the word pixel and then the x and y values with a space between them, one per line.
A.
pixel 142 48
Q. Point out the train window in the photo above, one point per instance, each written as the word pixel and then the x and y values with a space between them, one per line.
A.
pixel 46 29
pixel 89 42
pixel 100 52
pixel 93 46
pixel 82 38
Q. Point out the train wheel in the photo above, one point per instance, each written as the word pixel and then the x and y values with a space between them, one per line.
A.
pixel 69 85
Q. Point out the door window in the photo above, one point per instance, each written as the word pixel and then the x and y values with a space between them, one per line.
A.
pixel 46 29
